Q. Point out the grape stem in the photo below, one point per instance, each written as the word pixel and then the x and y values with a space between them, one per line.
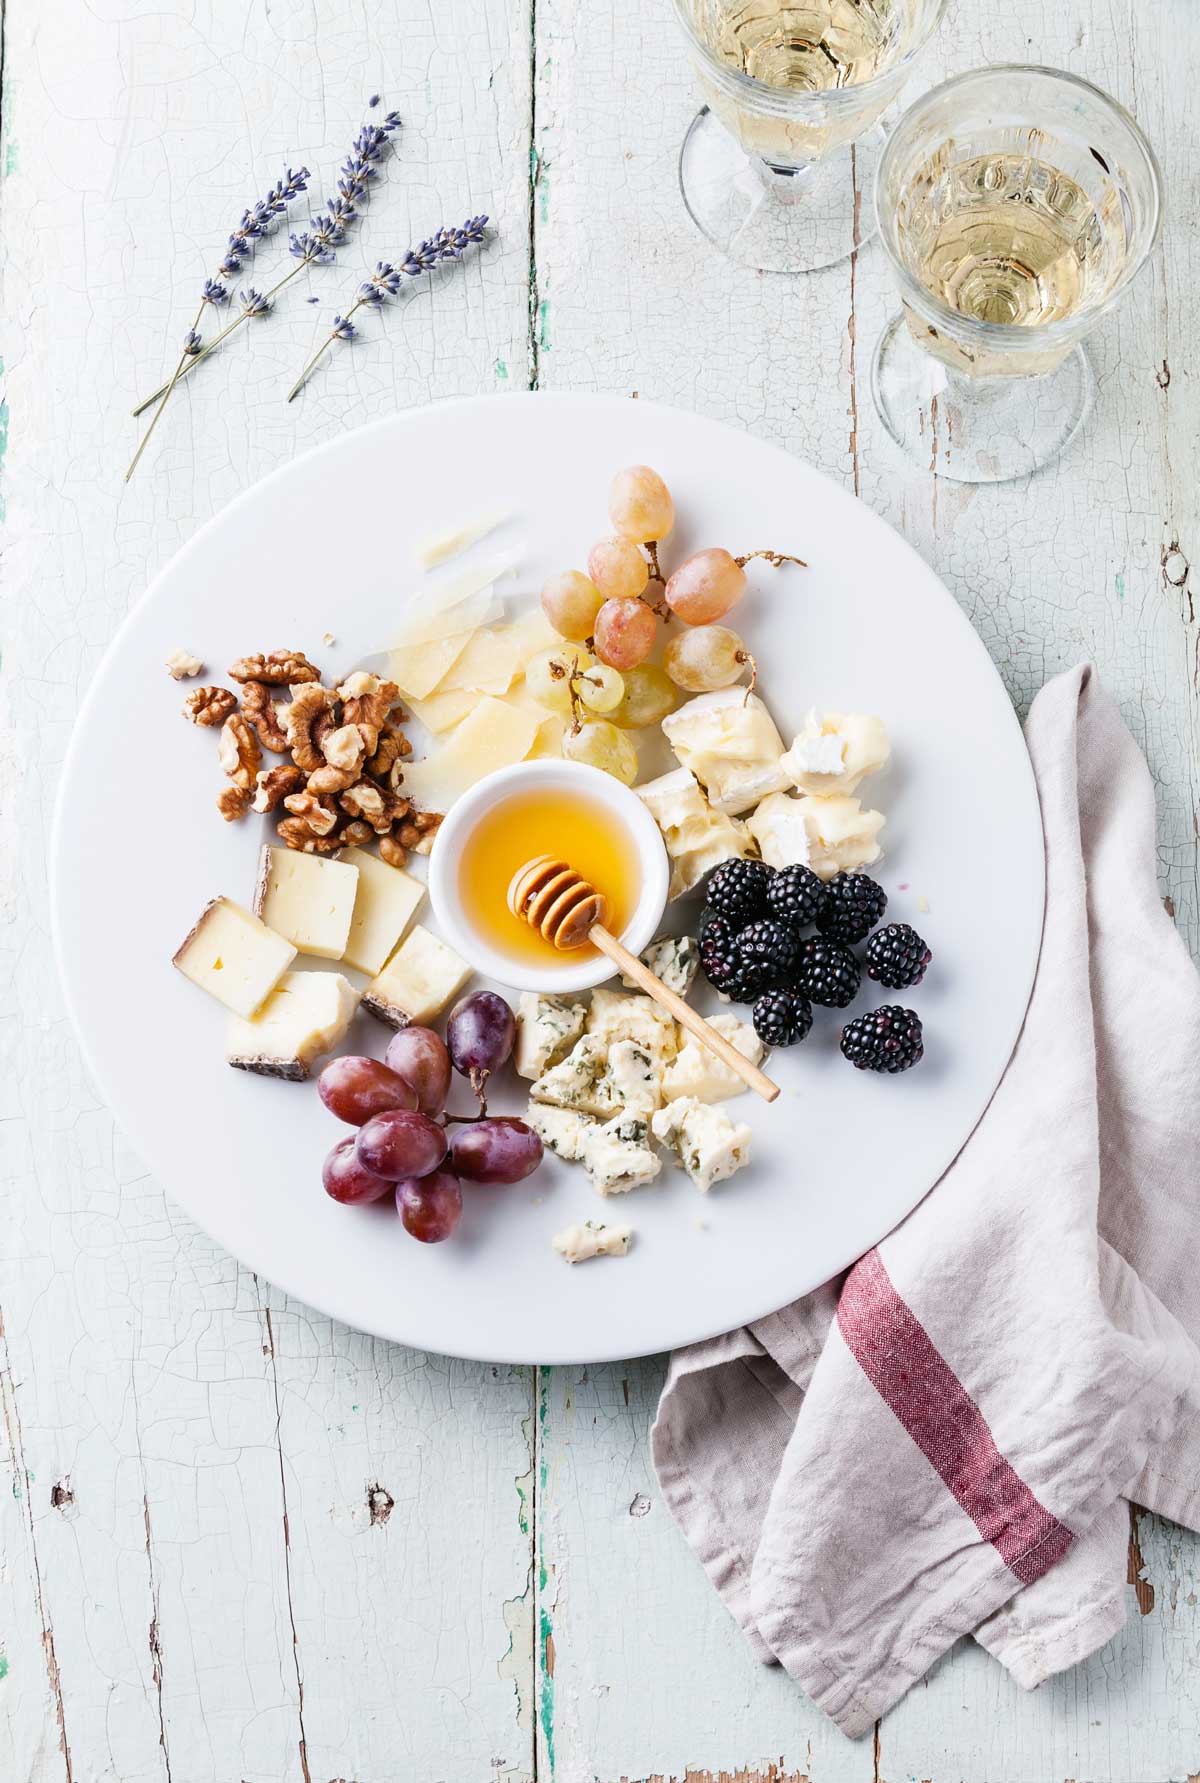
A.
pixel 479 1085
pixel 774 558
pixel 742 657
pixel 651 550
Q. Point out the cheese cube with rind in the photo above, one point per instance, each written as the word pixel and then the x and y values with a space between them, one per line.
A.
pixel 697 1072
pixel 835 751
pixel 728 740
pixel 306 898
pixel 386 901
pixel 233 956
pixel 305 1017
pixel 618 1156
pixel 563 1131
pixel 417 982
pixel 547 1029
pixel 579 1244
pixel 620 1015
pixel 842 837
pixel 697 837
pixel 580 1081
pixel 778 826
pixel 710 1147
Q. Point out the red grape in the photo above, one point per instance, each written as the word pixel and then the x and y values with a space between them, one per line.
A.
pixel 624 633
pixel 430 1207
pixel 499 1149
pixel 401 1143
pixel 347 1180
pixel 480 1033
pixel 354 1088
pixel 639 505
pixel 705 586
pixel 420 1058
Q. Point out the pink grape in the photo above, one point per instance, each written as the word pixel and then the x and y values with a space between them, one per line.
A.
pixel 499 1149
pixel 640 505
pixel 418 1056
pixel 430 1207
pixel 480 1033
pixel 401 1143
pixel 625 633
pixel 355 1088
pixel 705 586
pixel 570 602
pixel 346 1180
pixel 618 568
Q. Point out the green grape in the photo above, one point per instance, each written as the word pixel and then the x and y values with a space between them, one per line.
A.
pixel 548 676
pixel 649 695
pixel 601 745
pixel 705 657
pixel 602 689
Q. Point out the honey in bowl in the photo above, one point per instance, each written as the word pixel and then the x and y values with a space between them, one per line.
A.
pixel 545 820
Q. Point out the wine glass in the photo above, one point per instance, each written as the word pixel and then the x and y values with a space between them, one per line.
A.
pixel 1016 205
pixel 777 168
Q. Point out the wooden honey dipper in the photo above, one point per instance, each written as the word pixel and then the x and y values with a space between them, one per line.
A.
pixel 567 911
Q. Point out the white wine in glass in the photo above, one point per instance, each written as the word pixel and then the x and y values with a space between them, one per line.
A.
pixel 1015 204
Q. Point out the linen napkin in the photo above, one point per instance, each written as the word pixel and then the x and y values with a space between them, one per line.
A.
pixel 939 1443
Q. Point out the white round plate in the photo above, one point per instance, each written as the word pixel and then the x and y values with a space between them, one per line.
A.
pixel 325 546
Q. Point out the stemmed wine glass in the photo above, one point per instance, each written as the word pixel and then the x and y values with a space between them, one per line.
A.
pixel 778 166
pixel 1015 205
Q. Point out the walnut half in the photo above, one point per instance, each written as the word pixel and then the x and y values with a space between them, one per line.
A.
pixel 281 668
pixel 261 711
pixel 238 752
pixel 209 705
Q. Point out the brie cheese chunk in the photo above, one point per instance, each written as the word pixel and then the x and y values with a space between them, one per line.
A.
pixel 778 827
pixel 835 751
pixel 618 1156
pixel 417 982
pixel 700 1073
pixel 675 959
pixel 709 1146
pixel 306 898
pixel 581 1082
pixel 697 837
pixel 547 1028
pixel 728 740
pixel 385 903
pixel 563 1131
pixel 841 836
pixel 579 1244
pixel 305 1016
pixel 634 1075
pixel 615 1015
pixel 234 957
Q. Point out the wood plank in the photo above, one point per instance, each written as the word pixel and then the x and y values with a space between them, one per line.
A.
pixel 164 1413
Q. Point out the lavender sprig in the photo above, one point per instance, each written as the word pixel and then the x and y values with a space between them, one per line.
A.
pixel 254 224
pixel 314 246
pixel 386 280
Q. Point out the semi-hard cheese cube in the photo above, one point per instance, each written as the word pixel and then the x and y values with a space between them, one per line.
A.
pixel 494 735
pixel 234 957
pixel 305 1016
pixel 307 899
pixel 578 1244
pixel 547 1028
pixel 615 1015
pixel 417 982
pixel 700 1073
pixel 385 903
pixel 728 740
pixel 697 837
pixel 709 1146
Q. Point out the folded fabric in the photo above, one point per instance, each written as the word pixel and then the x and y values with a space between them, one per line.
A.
pixel 940 1442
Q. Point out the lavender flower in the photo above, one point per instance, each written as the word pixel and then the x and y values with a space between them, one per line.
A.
pixel 253 302
pixel 384 282
pixel 191 342
pixel 213 291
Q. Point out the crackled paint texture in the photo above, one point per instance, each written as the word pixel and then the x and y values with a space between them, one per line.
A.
pixel 293 1554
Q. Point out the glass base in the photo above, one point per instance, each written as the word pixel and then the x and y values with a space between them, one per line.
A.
pixel 976 430
pixel 776 221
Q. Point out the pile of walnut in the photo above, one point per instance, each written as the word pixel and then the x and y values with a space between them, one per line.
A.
pixel 341 783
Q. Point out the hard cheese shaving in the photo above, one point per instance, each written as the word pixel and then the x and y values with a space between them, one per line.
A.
pixel 494 736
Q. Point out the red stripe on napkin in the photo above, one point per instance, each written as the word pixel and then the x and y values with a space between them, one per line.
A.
pixel 916 1383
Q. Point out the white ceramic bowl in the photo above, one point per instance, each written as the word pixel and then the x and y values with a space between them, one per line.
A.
pixel 602 789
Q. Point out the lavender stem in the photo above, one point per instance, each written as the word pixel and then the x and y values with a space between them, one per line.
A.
pixel 195 358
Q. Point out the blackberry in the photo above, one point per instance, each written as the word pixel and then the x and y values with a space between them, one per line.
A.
pixel 722 964
pixel 738 890
pixel 897 957
pixel 853 905
pixel 768 948
pixel 827 973
pixel 796 895
pixel 782 1018
pixel 887 1039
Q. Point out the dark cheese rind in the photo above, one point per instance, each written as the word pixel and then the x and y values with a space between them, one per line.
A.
pixel 259 901
pixel 290 1070
pixel 385 1011
pixel 195 929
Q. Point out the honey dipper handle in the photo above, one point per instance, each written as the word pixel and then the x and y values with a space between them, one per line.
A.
pixel 695 1024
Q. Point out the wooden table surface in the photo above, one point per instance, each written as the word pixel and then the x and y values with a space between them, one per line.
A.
pixel 238 1541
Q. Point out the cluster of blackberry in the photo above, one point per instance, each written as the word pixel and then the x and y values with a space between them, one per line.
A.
pixel 752 950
